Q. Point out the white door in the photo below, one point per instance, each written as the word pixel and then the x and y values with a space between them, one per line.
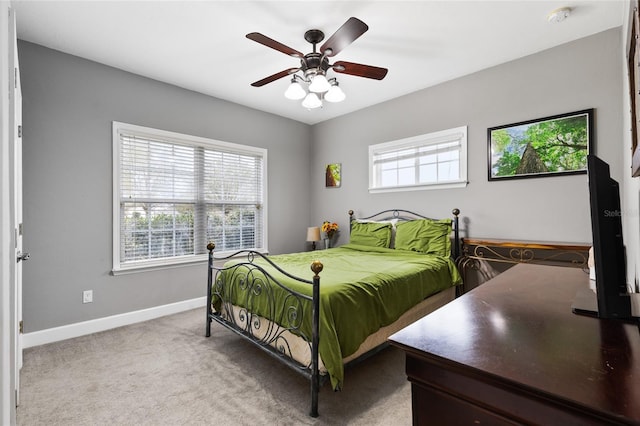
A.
pixel 15 141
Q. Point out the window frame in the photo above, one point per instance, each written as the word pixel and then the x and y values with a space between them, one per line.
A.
pixel 119 128
pixel 423 140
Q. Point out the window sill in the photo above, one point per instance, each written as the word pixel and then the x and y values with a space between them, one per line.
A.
pixel 170 263
pixel 155 266
pixel 448 185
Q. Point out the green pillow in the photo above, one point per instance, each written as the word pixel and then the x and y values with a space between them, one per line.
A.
pixel 425 236
pixel 370 234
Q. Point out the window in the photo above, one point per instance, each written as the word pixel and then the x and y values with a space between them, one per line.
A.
pixel 173 193
pixel 434 160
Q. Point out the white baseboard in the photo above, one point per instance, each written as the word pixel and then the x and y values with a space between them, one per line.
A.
pixel 56 334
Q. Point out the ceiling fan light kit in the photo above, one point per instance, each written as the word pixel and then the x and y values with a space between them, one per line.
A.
pixel 315 65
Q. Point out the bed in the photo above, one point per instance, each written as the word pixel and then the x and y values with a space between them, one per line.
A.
pixel 397 267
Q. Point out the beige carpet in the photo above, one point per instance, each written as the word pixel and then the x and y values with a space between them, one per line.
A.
pixel 165 372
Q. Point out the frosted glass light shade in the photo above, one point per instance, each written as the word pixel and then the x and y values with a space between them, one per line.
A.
pixel 295 91
pixel 312 101
pixel 319 84
pixel 335 94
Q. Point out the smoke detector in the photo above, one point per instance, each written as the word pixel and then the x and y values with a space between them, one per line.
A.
pixel 559 15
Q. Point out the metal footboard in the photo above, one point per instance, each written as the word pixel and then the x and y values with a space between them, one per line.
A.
pixel 236 291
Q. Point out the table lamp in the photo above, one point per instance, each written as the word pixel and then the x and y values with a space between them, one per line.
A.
pixel 313 235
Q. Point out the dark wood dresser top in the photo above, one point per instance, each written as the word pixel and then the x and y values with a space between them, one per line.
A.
pixel 518 329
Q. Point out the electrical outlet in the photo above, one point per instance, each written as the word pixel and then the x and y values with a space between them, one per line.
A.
pixel 87 296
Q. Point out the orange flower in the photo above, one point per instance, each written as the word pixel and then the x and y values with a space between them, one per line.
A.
pixel 329 228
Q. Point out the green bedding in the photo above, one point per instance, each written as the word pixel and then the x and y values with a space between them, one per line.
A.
pixel 362 289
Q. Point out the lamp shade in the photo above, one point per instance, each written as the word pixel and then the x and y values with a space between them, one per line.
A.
pixel 313 233
pixel 295 91
pixel 335 94
pixel 312 101
pixel 319 84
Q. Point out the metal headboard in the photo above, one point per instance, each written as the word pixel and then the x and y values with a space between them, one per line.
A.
pixel 406 215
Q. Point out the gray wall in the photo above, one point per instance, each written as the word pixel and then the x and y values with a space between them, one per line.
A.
pixel 582 74
pixel 69 104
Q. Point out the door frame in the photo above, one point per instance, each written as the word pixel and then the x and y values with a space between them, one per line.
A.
pixel 8 328
pixel 15 121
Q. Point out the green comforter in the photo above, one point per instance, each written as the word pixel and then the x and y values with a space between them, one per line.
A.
pixel 362 289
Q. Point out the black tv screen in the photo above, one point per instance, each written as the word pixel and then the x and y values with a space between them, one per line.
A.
pixel 612 299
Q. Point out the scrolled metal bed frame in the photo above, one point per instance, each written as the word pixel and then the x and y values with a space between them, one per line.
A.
pixel 256 282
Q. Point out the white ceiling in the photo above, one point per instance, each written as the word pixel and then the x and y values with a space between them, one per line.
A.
pixel 201 45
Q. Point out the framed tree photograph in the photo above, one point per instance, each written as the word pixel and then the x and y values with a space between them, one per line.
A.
pixel 332 175
pixel 634 81
pixel 549 146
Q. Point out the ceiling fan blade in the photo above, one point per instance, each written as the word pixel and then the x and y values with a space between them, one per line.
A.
pixel 346 34
pixel 360 70
pixel 274 77
pixel 269 42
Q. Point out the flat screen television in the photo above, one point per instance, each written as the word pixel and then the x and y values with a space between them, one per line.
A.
pixel 611 298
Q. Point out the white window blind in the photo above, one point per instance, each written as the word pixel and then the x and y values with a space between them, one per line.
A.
pixel 174 193
pixel 434 160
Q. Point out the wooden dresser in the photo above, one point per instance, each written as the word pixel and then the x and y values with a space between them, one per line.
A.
pixel 512 352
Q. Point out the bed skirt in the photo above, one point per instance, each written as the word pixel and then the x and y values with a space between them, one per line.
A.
pixel 297 348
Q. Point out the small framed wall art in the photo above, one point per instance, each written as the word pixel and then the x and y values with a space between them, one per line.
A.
pixel 549 146
pixel 333 175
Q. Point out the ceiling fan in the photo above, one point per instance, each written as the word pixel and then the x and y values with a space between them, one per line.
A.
pixel 314 66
